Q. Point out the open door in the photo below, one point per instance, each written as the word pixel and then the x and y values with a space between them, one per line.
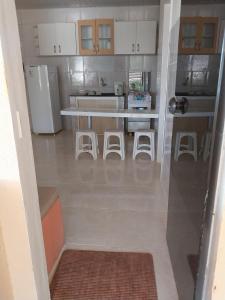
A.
pixel 191 201
pixel 209 281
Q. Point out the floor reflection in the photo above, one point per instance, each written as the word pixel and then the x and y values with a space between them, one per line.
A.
pixel 186 201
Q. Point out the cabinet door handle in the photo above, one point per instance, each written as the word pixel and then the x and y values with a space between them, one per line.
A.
pixel 133 47
pixel 54 48
pixel 59 48
pixel 97 48
pixel 138 47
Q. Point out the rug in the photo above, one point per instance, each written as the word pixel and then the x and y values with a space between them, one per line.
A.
pixel 193 263
pixel 96 275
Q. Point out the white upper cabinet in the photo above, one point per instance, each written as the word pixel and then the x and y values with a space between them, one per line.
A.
pixel 47 39
pixel 135 37
pixel 125 37
pixel 146 37
pixel 57 39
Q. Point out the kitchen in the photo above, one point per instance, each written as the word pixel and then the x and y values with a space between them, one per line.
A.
pixel 89 79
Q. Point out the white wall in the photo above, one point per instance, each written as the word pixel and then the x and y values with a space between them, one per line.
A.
pixel 214 10
pixel 20 222
pixel 77 72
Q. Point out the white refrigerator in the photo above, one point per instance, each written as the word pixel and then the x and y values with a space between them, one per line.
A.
pixel 43 95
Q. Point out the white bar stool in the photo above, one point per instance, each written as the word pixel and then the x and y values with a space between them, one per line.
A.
pixel 206 145
pixel 91 147
pixel 114 148
pixel 189 148
pixel 144 148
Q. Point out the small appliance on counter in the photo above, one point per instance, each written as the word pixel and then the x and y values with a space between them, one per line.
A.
pixel 118 88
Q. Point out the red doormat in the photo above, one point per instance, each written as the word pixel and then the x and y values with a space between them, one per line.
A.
pixel 92 275
pixel 193 263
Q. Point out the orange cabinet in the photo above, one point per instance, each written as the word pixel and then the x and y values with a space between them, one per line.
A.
pixel 198 35
pixel 96 37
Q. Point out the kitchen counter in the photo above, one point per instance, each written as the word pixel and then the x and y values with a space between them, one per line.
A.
pixel 110 113
pixel 102 95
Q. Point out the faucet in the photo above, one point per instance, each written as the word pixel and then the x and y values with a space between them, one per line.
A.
pixel 102 82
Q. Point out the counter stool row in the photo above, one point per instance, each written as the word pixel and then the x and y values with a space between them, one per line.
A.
pixel 92 146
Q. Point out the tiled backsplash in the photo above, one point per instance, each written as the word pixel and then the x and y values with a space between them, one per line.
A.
pixel 197 73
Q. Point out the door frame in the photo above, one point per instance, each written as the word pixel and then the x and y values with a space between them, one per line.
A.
pixel 20 221
pixel 20 190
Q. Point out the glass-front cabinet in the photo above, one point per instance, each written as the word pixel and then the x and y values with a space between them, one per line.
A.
pixel 96 37
pixel 198 35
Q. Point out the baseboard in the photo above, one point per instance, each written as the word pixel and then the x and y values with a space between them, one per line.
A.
pixel 52 273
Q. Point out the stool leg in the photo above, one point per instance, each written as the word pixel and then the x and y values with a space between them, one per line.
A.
pixel 96 136
pixel 77 152
pixel 105 145
pixel 135 145
pixel 94 146
pixel 207 147
pixel 195 148
pixel 152 141
pixel 122 146
pixel 177 147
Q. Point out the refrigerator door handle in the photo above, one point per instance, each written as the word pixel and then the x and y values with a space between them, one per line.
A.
pixel 54 48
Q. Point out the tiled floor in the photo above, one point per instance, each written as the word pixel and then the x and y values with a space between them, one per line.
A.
pixel 108 205
pixel 187 194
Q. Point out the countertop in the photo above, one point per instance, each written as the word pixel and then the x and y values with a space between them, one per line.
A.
pixel 47 196
pixel 111 113
pixel 191 96
pixel 102 95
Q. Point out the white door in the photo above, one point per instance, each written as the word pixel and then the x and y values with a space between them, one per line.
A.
pixel 47 39
pixel 191 239
pixel 66 38
pixel 125 37
pixel 146 37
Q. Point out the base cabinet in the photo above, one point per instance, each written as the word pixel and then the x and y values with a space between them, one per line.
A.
pixel 99 124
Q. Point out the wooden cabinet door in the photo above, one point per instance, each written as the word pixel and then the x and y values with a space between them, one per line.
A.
pixel 208 38
pixel 190 33
pixel 125 37
pixel 87 37
pixel 105 36
pixel 146 37
pixel 47 39
pixel 66 38
pixel 198 35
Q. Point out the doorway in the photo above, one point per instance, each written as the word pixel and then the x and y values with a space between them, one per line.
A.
pixel 172 64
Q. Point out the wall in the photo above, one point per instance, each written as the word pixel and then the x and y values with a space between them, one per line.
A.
pixel 200 72
pixel 20 220
pixel 77 72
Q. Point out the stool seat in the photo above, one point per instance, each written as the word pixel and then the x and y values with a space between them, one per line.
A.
pixel 189 148
pixel 118 148
pixel 91 147
pixel 144 148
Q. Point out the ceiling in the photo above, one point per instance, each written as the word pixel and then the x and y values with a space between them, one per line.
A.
pixel 26 4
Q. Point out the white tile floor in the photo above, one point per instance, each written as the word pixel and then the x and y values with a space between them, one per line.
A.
pixel 108 205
